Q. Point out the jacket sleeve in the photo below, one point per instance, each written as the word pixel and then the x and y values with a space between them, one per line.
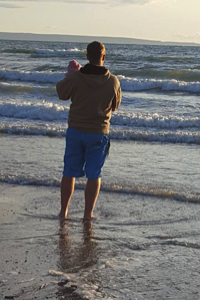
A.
pixel 117 99
pixel 64 89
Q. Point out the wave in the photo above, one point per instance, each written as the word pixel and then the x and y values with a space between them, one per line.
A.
pixel 170 58
pixel 46 111
pixel 30 89
pixel 58 52
pixel 155 121
pixel 50 67
pixel 112 188
pixel 160 136
pixel 134 84
pixel 59 129
pixel 191 75
pixel 120 56
pixel 127 83
pixel 44 77
pixel 44 52
pixel 17 50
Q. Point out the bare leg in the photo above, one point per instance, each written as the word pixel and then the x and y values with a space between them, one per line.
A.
pixel 67 189
pixel 91 194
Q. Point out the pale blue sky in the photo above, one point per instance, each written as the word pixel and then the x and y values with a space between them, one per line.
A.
pixel 165 20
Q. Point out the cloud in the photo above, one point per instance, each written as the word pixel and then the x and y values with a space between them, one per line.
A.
pixel 8 5
pixel 52 27
pixel 188 36
pixel 65 1
pixel 109 2
pixel 130 1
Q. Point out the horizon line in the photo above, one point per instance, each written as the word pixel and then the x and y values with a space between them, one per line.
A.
pixel 101 36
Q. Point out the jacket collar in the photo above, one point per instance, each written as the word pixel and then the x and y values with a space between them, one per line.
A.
pixel 90 69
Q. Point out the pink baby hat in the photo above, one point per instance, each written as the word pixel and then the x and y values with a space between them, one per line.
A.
pixel 73 66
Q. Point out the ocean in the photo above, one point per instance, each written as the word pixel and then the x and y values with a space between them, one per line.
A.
pixel 152 172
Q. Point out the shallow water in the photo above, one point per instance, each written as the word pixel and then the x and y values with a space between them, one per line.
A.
pixel 140 248
pixel 165 170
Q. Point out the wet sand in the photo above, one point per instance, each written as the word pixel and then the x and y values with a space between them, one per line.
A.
pixel 42 258
pixel 28 246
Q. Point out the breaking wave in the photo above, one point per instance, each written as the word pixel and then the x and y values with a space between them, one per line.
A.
pixel 25 88
pixel 44 52
pixel 134 84
pixel 180 75
pixel 47 111
pixel 59 130
pixel 127 83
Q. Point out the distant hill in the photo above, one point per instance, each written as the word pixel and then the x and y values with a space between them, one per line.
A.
pixel 84 39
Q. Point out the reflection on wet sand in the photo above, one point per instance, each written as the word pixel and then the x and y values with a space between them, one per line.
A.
pixel 77 251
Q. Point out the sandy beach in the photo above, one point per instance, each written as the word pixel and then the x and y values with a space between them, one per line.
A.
pixel 28 245
pixel 42 258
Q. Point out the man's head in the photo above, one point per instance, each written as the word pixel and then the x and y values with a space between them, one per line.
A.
pixel 96 52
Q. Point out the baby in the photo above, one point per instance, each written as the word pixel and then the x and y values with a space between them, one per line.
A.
pixel 73 66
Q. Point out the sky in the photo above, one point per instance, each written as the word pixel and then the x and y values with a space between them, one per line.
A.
pixel 163 20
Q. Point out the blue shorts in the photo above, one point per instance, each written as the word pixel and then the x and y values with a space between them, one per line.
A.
pixel 85 153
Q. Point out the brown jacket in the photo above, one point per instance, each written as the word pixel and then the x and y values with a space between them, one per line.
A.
pixel 94 94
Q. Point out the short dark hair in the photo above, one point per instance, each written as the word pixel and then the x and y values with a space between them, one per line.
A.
pixel 95 51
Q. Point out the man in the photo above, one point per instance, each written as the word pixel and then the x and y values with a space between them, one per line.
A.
pixel 94 94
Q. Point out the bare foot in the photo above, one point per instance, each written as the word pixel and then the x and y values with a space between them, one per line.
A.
pixel 90 218
pixel 62 216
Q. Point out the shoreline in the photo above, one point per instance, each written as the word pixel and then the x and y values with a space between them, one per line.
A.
pixel 154 244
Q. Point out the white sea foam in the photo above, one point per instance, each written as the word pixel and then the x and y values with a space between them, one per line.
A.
pixel 187 75
pixel 79 280
pixel 58 52
pixel 45 111
pixel 155 121
pixel 45 52
pixel 127 83
pixel 135 84
pixel 48 111
pixel 44 77
pixel 158 136
pixel 59 130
